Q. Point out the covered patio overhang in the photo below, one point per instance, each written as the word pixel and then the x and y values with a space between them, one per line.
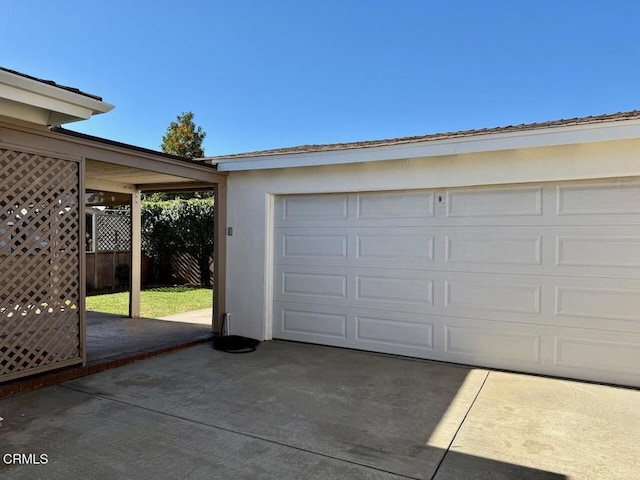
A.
pixel 108 166
pixel 45 174
pixel 125 169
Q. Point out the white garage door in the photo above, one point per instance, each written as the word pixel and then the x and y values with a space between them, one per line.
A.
pixel 538 278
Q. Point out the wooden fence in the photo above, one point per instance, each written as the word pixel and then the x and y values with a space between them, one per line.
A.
pixel 109 270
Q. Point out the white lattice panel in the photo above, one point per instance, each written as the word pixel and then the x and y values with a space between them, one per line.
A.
pixel 39 263
pixel 113 232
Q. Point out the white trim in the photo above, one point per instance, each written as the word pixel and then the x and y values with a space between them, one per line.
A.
pixel 45 104
pixel 268 265
pixel 136 255
pixel 543 137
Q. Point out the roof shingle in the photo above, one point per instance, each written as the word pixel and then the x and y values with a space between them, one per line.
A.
pixel 52 83
pixel 613 117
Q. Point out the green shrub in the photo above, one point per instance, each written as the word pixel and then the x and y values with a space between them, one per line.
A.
pixel 179 226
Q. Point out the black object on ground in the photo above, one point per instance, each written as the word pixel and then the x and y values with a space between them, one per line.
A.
pixel 233 343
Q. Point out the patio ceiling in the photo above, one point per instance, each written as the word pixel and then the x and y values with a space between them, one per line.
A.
pixel 99 173
pixel 119 167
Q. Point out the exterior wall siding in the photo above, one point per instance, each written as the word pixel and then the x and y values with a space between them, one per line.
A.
pixel 251 202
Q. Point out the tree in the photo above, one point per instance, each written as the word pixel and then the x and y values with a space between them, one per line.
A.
pixel 183 138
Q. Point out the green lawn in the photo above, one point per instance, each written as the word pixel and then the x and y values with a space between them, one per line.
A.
pixel 154 302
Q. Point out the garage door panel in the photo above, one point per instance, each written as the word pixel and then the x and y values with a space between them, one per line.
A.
pixel 491 343
pixel 297 320
pixel 591 251
pixel 359 328
pixel 296 246
pixel 493 246
pixel 402 290
pixel 616 198
pixel 495 294
pixel 388 247
pixel 539 278
pixel 387 330
pixel 612 308
pixel 411 247
pixel 311 284
pixel 599 251
pixel 494 202
pixel 314 285
pixel 551 220
pixel 387 289
pixel 611 354
pixel 417 204
pixel 602 303
pixel 312 207
pixel 495 250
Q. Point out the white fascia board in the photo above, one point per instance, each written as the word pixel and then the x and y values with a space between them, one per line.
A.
pixel 61 103
pixel 36 100
pixel 20 111
pixel 544 137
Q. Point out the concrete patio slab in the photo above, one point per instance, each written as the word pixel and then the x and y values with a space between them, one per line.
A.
pixel 578 430
pixel 302 411
pixel 201 317
pixel 113 336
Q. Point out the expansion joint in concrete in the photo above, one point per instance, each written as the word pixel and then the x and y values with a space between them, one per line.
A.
pixel 454 436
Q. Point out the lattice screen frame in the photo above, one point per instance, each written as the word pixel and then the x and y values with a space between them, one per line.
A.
pixel 18 342
pixel 112 232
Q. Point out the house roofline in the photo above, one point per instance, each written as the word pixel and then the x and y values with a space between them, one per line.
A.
pixel 45 102
pixel 617 126
pixel 126 146
pixel 52 83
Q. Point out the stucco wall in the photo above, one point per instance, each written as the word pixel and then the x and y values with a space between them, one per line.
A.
pixel 250 201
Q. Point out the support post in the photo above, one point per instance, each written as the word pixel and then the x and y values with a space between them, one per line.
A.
pixel 82 261
pixel 219 255
pixel 136 254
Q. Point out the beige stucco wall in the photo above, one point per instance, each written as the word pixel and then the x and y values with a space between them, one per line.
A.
pixel 251 193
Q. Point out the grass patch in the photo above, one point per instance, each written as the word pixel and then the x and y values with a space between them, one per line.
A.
pixel 154 302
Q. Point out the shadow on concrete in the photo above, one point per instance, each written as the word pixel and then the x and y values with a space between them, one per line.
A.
pixel 457 466
pixel 286 411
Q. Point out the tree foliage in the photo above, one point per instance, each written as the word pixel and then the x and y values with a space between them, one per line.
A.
pixel 180 226
pixel 166 196
pixel 183 138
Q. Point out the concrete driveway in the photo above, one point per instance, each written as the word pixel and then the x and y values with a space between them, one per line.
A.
pixel 300 411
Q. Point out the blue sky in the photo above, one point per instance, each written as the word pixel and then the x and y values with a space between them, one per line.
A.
pixel 268 74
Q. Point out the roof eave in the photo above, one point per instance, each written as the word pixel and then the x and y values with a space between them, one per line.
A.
pixel 45 104
pixel 543 137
